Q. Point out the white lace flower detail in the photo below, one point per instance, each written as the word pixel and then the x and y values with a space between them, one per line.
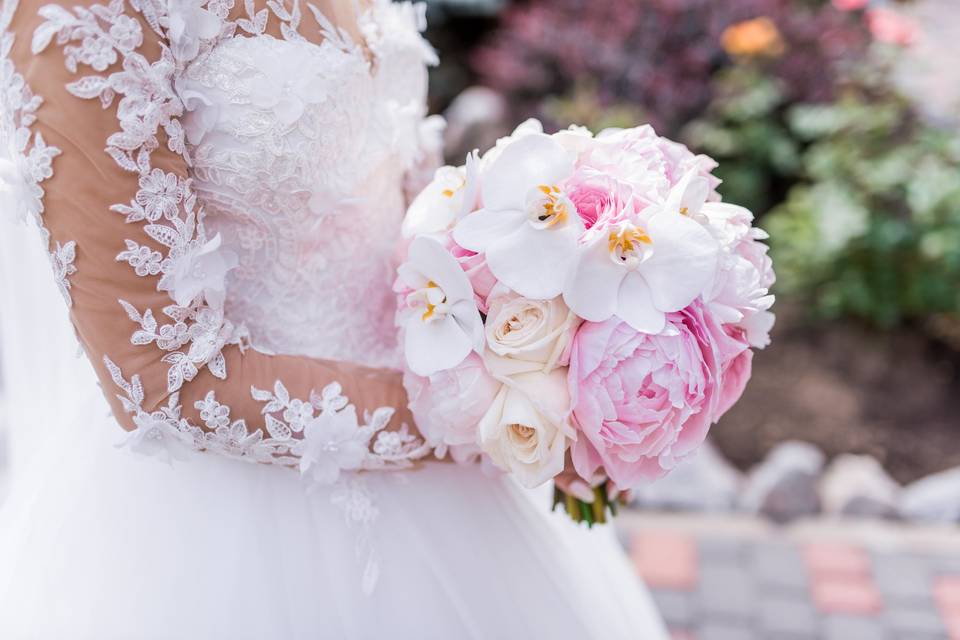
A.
pixel 333 442
pixel 62 258
pixel 22 171
pixel 160 194
pixel 188 23
pixel 202 269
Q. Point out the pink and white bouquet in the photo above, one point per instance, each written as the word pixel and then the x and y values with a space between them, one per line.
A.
pixel 579 304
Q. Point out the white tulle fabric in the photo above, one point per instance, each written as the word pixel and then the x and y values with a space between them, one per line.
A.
pixel 97 543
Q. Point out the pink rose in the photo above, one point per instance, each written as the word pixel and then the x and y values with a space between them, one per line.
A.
pixel 643 402
pixel 449 404
pixel 850 5
pixel 597 197
pixel 886 25
pixel 475 266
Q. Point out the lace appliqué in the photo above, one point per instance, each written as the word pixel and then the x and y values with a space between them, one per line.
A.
pixel 62 258
pixel 98 37
pixel 26 160
pixel 322 437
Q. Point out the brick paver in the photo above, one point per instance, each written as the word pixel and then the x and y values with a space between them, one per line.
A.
pixel 769 587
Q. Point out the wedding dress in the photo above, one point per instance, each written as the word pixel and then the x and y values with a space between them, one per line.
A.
pixel 226 262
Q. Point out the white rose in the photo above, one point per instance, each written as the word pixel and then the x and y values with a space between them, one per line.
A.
pixel 535 334
pixel 526 431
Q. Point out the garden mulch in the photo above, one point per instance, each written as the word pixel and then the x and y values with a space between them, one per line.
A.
pixel 848 388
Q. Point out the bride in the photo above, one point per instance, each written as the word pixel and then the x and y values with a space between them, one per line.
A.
pixel 218 187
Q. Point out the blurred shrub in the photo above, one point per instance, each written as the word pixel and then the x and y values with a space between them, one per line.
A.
pixel 745 129
pixel 656 58
pixel 873 228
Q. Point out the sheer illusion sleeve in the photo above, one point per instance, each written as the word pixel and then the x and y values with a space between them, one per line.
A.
pixel 144 280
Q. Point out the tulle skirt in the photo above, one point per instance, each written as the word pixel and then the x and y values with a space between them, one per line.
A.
pixel 99 543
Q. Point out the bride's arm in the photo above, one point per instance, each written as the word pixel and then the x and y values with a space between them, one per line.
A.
pixel 88 201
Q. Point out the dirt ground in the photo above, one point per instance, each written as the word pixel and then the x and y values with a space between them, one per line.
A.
pixel 846 388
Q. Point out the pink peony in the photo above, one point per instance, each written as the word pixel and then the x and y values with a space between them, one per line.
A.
pixel 449 404
pixel 649 164
pixel 643 402
pixel 740 294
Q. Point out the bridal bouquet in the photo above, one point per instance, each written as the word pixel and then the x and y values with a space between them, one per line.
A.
pixel 579 304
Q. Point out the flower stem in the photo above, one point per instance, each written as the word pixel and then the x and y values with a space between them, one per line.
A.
pixel 594 512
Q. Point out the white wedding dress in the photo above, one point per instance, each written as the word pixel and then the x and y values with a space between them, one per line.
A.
pixel 299 154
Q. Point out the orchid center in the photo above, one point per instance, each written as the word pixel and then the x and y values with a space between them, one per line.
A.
pixel 432 299
pixel 629 246
pixel 449 192
pixel 548 207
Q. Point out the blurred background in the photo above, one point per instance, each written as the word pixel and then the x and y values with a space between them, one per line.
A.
pixel 834 484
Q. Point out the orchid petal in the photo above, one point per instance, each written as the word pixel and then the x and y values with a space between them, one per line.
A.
pixel 592 285
pixel 478 230
pixel 524 164
pixel 533 262
pixel 636 306
pixel 435 346
pixel 683 263
pixel 434 262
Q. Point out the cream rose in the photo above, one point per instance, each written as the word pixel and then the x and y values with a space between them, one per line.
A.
pixel 526 430
pixel 534 334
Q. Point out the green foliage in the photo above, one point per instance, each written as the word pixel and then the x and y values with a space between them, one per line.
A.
pixel 744 129
pixel 872 229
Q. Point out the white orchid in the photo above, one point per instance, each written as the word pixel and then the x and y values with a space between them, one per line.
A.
pixel 450 196
pixel 528 227
pixel 442 325
pixel 642 269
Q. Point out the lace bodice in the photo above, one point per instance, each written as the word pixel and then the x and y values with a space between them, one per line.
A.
pixel 299 155
pixel 228 261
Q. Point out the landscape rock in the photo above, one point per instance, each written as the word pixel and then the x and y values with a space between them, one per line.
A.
pixel 703 482
pixel 935 498
pixel 783 486
pixel 857 485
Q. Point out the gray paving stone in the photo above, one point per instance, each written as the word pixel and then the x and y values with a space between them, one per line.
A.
pixel 903 579
pixel 676 607
pixel 853 628
pixel 721 548
pixel 915 623
pixel 726 592
pixel 778 566
pixel 787 617
pixel 712 630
